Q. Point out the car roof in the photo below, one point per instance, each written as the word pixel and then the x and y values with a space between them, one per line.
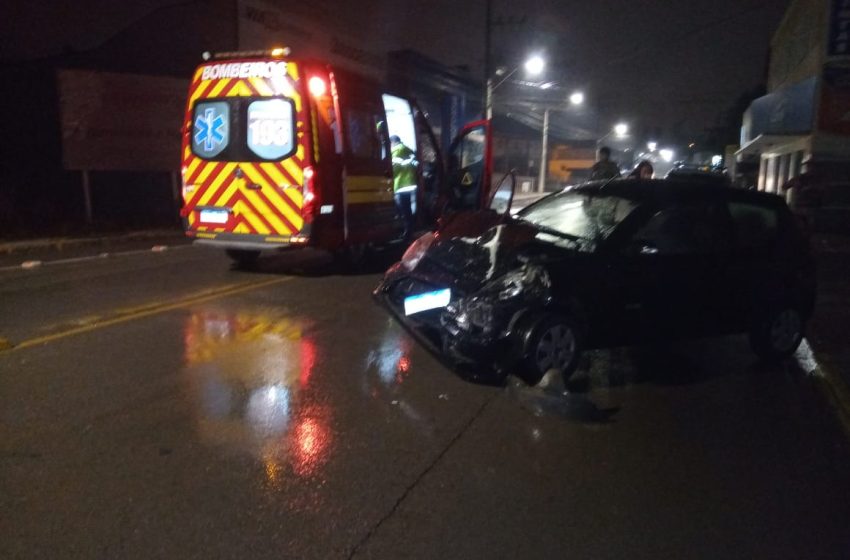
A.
pixel 674 190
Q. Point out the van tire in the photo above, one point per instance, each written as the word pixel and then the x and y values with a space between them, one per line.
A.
pixel 352 258
pixel 243 258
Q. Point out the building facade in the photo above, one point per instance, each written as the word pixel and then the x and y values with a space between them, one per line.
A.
pixel 803 122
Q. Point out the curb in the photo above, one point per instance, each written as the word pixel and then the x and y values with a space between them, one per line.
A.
pixel 837 393
pixel 61 242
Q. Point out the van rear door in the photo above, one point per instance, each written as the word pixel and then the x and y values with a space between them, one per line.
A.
pixel 368 174
pixel 243 159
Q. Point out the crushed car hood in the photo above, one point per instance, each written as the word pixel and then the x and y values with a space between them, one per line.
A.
pixel 470 261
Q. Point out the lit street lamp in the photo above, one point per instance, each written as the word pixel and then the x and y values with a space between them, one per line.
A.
pixel 620 130
pixel 577 98
pixel 533 66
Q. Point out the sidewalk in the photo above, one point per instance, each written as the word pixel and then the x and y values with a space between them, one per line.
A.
pixel 54 248
pixel 829 329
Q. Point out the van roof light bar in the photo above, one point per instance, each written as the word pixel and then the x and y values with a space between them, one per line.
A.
pixel 266 53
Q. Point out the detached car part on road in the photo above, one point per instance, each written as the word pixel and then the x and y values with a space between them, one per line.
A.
pixel 602 265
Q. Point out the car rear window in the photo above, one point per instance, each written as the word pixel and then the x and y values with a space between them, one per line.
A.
pixel 244 129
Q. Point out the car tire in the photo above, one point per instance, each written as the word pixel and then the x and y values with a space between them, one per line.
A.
pixel 243 258
pixel 777 333
pixel 554 342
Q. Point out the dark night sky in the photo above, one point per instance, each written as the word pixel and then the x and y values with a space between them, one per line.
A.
pixel 659 63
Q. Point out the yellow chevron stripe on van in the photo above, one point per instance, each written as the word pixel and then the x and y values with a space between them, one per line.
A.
pixel 215 91
pixel 269 191
pixel 199 91
pixel 261 86
pixel 369 197
pixel 292 70
pixel 191 168
pixel 202 178
pixel 275 174
pixel 214 186
pixel 241 209
pixel 286 206
pixel 367 183
pixel 294 170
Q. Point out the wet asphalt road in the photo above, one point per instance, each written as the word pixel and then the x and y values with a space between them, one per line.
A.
pixel 162 405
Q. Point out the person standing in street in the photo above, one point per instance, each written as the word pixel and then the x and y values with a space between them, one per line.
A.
pixel 642 171
pixel 604 168
pixel 404 182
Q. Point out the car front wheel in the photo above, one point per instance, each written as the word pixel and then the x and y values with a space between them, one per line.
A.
pixel 554 343
pixel 777 334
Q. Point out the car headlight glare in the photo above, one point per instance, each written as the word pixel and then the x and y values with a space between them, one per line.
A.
pixel 416 251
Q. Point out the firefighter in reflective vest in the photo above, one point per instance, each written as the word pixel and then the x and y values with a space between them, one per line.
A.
pixel 404 182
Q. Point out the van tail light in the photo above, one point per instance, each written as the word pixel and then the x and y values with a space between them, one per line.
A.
pixel 308 192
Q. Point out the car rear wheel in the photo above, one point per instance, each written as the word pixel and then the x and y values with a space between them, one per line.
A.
pixel 554 343
pixel 777 334
pixel 243 258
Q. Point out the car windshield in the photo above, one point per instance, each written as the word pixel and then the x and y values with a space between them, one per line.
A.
pixel 580 219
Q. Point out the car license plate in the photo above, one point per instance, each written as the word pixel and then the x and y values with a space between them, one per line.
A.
pixel 426 301
pixel 214 216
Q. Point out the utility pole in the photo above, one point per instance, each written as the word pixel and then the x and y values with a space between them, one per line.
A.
pixel 544 162
pixel 488 89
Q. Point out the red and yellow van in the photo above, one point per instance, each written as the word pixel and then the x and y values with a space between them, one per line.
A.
pixel 282 153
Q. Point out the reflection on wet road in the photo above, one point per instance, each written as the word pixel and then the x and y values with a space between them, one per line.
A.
pixel 248 375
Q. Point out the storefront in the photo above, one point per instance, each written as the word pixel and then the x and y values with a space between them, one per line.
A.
pixel 803 123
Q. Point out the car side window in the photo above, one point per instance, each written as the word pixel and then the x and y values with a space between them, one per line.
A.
pixel 755 225
pixel 365 134
pixel 682 230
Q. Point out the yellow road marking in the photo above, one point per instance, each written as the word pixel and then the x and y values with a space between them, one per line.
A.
pixel 149 310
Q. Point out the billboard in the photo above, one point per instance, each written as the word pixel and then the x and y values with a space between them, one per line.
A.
pixel 120 122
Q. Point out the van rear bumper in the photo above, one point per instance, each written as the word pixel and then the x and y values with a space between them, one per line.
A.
pixel 250 242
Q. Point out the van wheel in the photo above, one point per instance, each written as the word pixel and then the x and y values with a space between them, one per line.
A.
pixel 243 258
pixel 352 257
pixel 554 343
pixel 777 333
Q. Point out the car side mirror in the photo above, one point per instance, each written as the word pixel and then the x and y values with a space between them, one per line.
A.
pixel 641 247
pixel 503 195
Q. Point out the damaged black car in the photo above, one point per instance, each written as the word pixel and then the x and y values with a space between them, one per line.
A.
pixel 602 265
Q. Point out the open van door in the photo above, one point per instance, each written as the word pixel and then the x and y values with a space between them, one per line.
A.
pixel 430 198
pixel 470 167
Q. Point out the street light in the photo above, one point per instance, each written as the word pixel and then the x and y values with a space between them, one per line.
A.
pixel 620 130
pixel 577 98
pixel 533 66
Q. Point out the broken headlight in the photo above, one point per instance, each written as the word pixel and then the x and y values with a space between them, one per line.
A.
pixel 519 281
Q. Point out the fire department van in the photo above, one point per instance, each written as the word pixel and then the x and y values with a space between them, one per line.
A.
pixel 281 153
